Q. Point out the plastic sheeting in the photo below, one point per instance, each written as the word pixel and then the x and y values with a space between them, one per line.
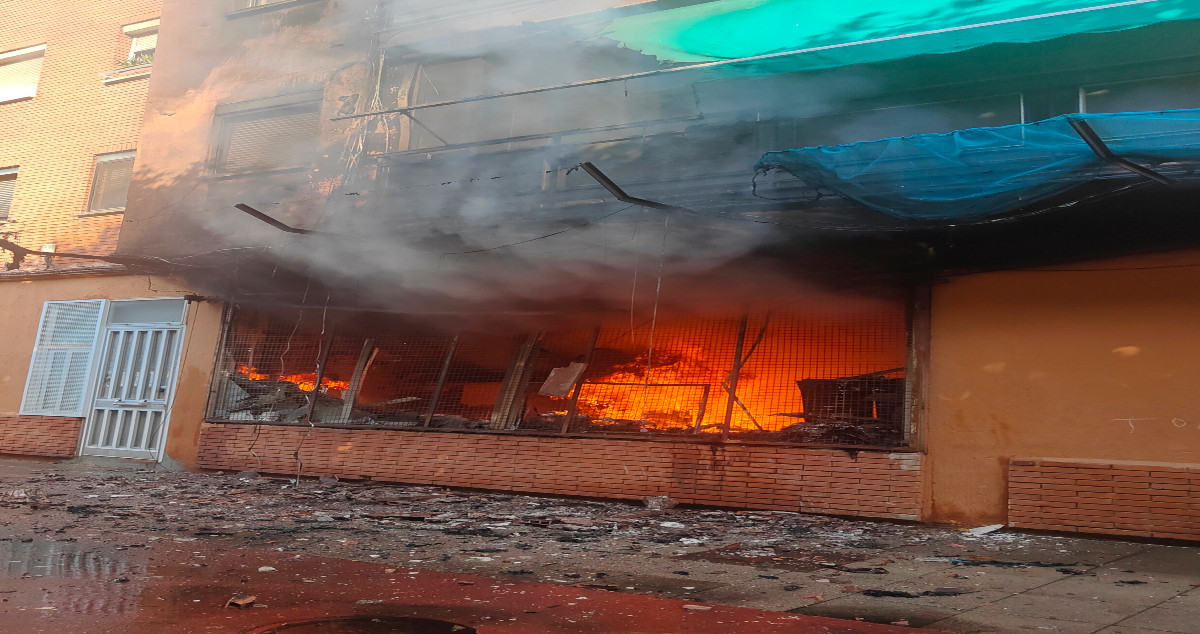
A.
pixel 988 171
pixel 832 33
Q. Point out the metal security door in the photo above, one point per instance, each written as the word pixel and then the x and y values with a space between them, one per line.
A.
pixel 133 392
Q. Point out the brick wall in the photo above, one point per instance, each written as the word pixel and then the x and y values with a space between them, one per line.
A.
pixel 54 137
pixel 1144 499
pixel 829 481
pixel 51 436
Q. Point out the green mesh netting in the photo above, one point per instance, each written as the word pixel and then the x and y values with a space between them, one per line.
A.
pixel 834 33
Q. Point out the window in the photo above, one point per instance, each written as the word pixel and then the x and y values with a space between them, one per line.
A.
pixel 62 358
pixel 19 73
pixel 143 41
pixel 1153 94
pixel 600 106
pixel 266 139
pixel 8 185
pixel 110 182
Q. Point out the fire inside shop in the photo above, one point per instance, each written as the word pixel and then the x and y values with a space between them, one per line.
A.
pixel 822 370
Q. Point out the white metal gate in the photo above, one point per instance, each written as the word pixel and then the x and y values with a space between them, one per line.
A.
pixel 133 391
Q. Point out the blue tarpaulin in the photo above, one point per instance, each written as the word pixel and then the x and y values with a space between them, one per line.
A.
pixel 980 172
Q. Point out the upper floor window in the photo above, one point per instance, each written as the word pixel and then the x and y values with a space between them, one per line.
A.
pixel 19 73
pixel 8 186
pixel 1142 95
pixel 143 42
pixel 268 138
pixel 110 182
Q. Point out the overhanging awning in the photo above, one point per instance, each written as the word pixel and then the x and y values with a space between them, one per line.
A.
pixel 988 171
pixel 812 34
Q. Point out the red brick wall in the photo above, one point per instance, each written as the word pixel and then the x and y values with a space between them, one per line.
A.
pixel 829 481
pixel 54 137
pixel 1144 499
pixel 52 436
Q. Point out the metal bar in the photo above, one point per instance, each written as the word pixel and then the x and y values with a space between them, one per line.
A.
pixel 138 388
pixel 619 194
pixel 247 209
pixel 425 127
pixel 316 392
pixel 441 382
pixel 167 364
pixel 573 406
pixel 141 429
pixel 365 358
pixel 515 383
pixel 160 352
pixel 703 408
pixel 1093 140
pixel 742 405
pixel 732 381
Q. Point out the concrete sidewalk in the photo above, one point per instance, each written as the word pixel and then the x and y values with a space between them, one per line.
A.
pixel 775 566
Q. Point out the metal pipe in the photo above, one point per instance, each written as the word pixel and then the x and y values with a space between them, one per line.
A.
pixel 1093 140
pixel 272 221
pixel 441 382
pixel 619 194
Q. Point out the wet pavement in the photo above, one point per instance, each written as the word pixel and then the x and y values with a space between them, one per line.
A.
pixel 98 548
pixel 169 585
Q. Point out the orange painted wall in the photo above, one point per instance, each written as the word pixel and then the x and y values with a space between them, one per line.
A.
pixel 22 300
pixel 1099 360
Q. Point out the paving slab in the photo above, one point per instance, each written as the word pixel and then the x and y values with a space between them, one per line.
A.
pixel 1165 619
pixel 1061 608
pixel 986 623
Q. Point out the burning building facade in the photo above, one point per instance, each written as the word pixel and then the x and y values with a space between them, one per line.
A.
pixel 527 248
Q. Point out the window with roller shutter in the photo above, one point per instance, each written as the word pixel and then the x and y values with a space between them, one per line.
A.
pixel 8 186
pixel 19 73
pixel 110 182
pixel 143 42
pixel 261 140
pixel 62 358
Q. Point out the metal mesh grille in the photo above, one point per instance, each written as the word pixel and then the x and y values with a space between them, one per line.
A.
pixel 829 372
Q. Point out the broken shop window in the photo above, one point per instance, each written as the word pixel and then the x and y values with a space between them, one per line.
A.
pixel 812 373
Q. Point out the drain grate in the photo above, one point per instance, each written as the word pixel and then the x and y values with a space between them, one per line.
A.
pixel 365 625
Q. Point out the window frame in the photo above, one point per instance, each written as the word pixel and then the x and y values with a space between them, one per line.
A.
pixel 229 116
pixel 97 161
pixel 21 55
pixel 26 407
pixel 8 174
pixel 136 32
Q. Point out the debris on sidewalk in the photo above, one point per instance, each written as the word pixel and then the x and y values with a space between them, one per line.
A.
pixel 241 601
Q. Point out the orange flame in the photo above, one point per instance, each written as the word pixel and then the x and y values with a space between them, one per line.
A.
pixel 306 381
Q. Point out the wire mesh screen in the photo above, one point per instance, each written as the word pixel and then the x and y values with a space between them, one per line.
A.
pixel 825 372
